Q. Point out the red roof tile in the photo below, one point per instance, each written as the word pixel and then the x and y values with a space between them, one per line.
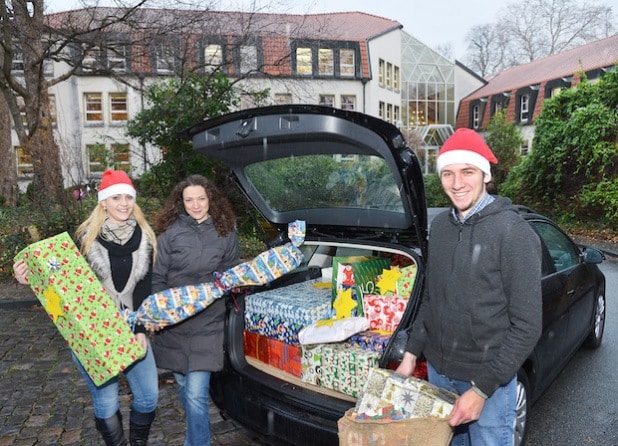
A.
pixel 601 53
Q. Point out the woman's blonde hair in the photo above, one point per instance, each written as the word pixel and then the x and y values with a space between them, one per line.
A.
pixel 89 230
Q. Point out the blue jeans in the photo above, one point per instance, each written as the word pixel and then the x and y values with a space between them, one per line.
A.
pixel 193 391
pixel 143 380
pixel 496 425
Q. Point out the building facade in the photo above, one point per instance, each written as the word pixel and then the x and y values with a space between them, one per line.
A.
pixel 521 90
pixel 351 60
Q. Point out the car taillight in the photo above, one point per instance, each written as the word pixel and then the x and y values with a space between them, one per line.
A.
pixel 419 372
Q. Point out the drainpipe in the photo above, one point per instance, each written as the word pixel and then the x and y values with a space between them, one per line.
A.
pixel 364 82
pixel 141 76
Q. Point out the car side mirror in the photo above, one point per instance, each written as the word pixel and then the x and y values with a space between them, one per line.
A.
pixel 592 255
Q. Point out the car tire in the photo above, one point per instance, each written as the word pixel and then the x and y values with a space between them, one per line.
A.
pixel 598 324
pixel 522 409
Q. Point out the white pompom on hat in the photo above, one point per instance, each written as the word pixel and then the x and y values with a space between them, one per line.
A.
pixel 115 182
pixel 466 146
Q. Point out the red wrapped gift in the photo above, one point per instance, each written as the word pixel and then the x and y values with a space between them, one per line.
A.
pixel 384 312
pixel 284 356
pixel 256 346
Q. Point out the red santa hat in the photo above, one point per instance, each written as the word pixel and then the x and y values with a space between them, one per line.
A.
pixel 466 146
pixel 115 182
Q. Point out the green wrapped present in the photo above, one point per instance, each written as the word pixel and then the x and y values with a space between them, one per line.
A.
pixel 83 312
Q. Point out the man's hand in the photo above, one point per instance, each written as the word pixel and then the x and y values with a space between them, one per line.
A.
pixel 468 407
pixel 408 363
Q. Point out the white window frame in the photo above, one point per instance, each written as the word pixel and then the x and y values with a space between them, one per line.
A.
pixel 327 100
pixel 23 161
pixel 248 59
pixel 92 58
pixel 347 63
pixel 348 102
pixel 121 155
pixel 304 61
pixel 524 108
pixel 96 165
pixel 213 56
pixel 165 60
pixel 118 113
pixel 389 75
pixel 17 66
pixel 381 72
pixel 396 78
pixel 283 98
pixel 326 61
pixel 93 108
pixel 117 58
pixel 476 116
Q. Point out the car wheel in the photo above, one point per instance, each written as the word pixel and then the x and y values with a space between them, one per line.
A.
pixel 596 334
pixel 522 408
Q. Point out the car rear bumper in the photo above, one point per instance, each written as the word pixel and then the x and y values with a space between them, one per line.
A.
pixel 286 420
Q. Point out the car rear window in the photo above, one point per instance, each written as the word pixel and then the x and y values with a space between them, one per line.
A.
pixel 326 181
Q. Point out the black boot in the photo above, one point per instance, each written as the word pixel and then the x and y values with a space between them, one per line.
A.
pixel 139 425
pixel 111 430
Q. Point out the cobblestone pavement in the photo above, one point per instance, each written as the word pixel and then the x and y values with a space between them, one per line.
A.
pixel 45 401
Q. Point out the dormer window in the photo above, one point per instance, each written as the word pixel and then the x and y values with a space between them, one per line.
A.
pixel 524 108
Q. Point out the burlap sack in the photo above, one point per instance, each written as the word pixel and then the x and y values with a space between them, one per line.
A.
pixel 428 431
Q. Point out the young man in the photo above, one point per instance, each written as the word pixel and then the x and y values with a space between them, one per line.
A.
pixel 481 314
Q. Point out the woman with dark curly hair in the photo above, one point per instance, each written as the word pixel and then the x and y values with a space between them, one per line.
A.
pixel 198 237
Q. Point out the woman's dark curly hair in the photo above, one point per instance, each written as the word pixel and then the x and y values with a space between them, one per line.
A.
pixel 220 208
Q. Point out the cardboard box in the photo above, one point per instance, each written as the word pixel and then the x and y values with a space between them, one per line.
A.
pixel 81 309
pixel 429 431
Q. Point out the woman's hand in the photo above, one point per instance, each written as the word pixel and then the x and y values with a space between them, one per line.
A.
pixel 20 271
pixel 141 338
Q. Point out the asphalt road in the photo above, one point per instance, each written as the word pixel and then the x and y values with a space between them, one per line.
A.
pixel 581 406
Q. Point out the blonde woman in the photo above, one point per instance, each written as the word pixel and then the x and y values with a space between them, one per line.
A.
pixel 120 246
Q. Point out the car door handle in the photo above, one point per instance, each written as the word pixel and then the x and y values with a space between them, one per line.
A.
pixel 570 293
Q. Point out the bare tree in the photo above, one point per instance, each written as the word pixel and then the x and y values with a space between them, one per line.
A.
pixel 539 28
pixel 8 176
pixel 28 45
pixel 486 49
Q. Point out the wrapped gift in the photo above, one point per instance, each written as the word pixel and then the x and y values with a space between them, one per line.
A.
pixel 301 303
pixel 373 340
pixel 276 353
pixel 284 356
pixel 413 397
pixel 273 327
pixel 384 312
pixel 405 283
pixel 256 346
pixel 345 367
pixel 352 278
pixel 83 312
pixel 311 361
pixel 176 304
pixel 332 330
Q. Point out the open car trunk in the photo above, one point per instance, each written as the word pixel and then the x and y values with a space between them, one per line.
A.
pixel 359 188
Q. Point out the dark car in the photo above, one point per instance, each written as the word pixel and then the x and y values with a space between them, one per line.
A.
pixel 359 188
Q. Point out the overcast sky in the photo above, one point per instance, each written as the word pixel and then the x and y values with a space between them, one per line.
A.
pixel 434 22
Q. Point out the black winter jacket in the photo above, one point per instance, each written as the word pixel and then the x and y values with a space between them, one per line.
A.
pixel 189 253
pixel 481 314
